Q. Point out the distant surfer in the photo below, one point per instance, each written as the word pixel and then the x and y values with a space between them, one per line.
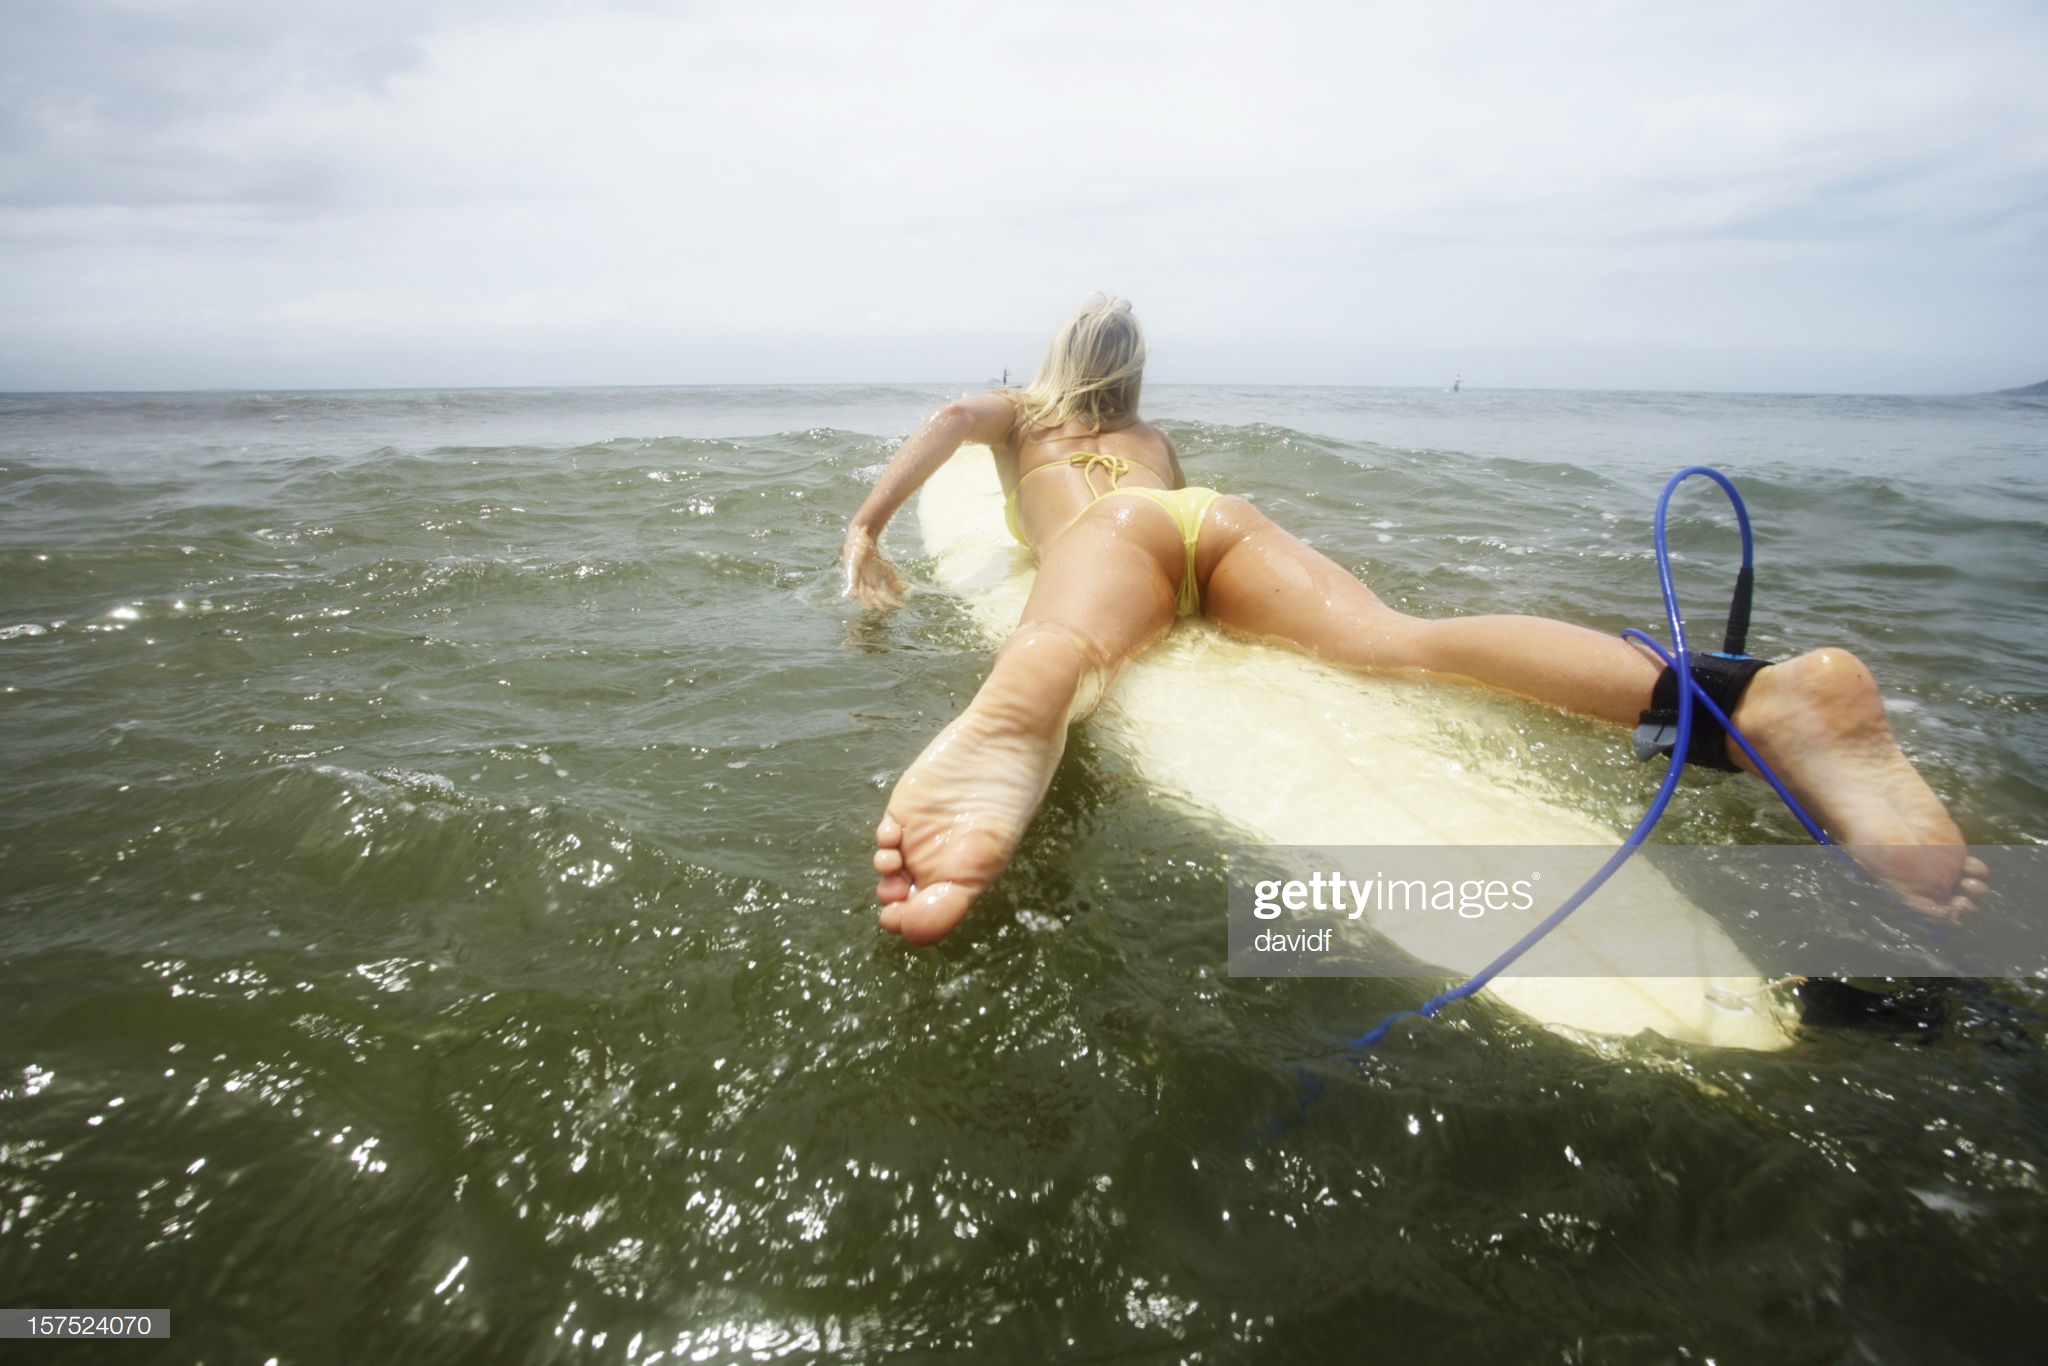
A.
pixel 1125 547
pixel 1457 382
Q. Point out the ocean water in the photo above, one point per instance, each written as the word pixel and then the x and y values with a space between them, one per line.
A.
pixel 435 921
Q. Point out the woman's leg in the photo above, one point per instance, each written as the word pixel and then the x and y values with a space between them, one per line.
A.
pixel 1818 720
pixel 1104 589
pixel 1263 582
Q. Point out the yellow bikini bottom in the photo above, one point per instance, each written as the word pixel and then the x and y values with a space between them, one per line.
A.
pixel 1187 507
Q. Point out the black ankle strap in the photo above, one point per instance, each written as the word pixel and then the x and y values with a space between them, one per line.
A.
pixel 1723 677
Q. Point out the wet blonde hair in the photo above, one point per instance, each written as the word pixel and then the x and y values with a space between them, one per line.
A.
pixel 1092 371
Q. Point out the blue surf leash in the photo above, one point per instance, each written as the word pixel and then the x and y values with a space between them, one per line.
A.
pixel 1690 694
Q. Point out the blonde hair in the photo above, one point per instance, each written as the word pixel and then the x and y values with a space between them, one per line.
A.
pixel 1092 371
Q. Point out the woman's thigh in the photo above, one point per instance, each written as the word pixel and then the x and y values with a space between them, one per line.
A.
pixel 1264 582
pixel 1112 576
pixel 1260 580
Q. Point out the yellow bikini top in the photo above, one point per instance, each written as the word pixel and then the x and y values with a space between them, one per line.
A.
pixel 1113 466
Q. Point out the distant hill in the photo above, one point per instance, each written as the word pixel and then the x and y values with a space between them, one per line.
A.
pixel 2031 391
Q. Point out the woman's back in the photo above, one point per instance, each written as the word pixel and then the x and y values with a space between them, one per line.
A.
pixel 1042 472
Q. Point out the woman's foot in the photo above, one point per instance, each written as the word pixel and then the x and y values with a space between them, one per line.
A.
pixel 1819 722
pixel 957 813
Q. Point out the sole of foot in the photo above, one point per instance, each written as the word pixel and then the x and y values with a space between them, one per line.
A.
pixel 1819 721
pixel 957 813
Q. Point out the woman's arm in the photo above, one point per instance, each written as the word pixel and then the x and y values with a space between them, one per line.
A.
pixel 985 418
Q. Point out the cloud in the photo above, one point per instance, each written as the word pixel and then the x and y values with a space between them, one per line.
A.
pixel 370 193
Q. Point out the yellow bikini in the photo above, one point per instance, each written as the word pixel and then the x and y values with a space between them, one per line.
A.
pixel 1187 507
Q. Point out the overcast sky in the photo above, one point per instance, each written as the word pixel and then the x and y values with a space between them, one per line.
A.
pixel 1775 196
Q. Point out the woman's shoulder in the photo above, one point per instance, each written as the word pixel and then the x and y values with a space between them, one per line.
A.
pixel 991 418
pixel 991 403
pixel 1075 429
pixel 1139 431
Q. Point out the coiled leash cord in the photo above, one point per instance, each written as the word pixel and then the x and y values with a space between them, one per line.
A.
pixel 1650 739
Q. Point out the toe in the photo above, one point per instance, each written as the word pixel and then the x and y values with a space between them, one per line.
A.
pixel 889 833
pixel 888 861
pixel 894 887
pixel 931 914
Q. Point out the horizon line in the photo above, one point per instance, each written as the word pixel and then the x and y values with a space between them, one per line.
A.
pixel 234 390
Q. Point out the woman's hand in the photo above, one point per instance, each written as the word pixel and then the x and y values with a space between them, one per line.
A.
pixel 869 577
pixel 986 418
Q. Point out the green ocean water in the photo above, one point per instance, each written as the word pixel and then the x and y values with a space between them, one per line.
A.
pixel 435 922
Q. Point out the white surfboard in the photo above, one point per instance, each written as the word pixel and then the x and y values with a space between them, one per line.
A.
pixel 1368 762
